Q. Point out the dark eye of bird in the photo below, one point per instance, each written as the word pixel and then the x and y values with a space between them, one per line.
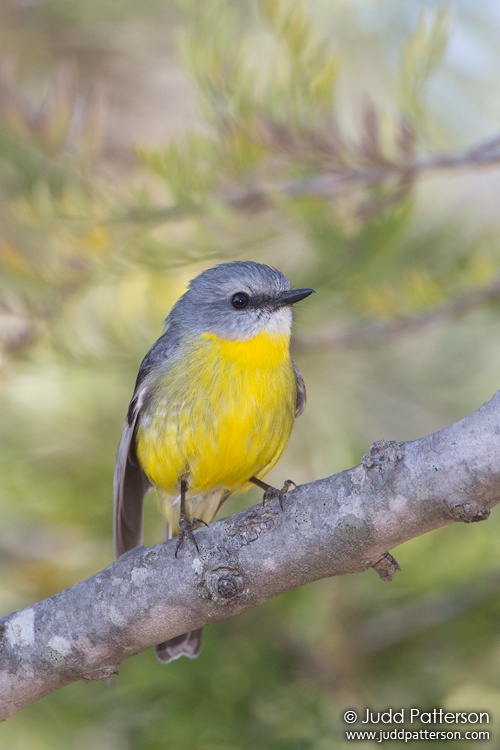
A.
pixel 240 300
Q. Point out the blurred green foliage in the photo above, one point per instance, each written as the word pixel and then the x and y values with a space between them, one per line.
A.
pixel 100 230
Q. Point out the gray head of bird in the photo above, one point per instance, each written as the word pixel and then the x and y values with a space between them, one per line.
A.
pixel 236 300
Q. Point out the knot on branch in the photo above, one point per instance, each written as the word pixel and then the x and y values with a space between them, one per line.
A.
pixel 386 566
pixel 105 674
pixel 255 522
pixel 226 585
pixel 470 512
pixel 383 453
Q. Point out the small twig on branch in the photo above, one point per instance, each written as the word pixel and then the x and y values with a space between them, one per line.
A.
pixel 365 334
pixel 342 524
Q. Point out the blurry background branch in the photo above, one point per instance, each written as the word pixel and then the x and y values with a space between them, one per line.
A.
pixel 373 333
pixel 342 524
pixel 394 626
pixel 332 184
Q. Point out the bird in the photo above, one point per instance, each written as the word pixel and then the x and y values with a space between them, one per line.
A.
pixel 212 409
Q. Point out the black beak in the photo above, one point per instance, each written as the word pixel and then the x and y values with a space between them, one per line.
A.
pixel 293 296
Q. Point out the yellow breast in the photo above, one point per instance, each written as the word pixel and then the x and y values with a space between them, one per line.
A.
pixel 222 413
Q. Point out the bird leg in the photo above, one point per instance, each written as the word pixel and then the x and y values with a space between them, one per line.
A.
pixel 271 492
pixel 186 527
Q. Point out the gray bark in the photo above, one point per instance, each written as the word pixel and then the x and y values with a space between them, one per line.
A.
pixel 341 524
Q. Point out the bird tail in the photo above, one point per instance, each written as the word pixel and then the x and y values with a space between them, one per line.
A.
pixel 188 644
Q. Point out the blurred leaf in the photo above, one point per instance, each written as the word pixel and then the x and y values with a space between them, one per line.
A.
pixel 420 58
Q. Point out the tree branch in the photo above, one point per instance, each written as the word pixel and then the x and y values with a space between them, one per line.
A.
pixel 341 524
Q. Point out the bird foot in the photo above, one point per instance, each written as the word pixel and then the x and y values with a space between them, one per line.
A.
pixel 186 528
pixel 273 492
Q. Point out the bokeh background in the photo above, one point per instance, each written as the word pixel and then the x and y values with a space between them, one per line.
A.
pixel 141 142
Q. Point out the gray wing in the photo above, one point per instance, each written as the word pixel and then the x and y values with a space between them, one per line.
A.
pixel 130 483
pixel 300 404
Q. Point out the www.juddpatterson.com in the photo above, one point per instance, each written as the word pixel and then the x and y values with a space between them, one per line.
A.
pixel 415 718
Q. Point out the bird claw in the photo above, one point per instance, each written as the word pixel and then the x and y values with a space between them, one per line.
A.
pixel 186 528
pixel 273 492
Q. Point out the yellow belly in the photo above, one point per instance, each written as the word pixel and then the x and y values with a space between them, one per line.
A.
pixel 222 415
